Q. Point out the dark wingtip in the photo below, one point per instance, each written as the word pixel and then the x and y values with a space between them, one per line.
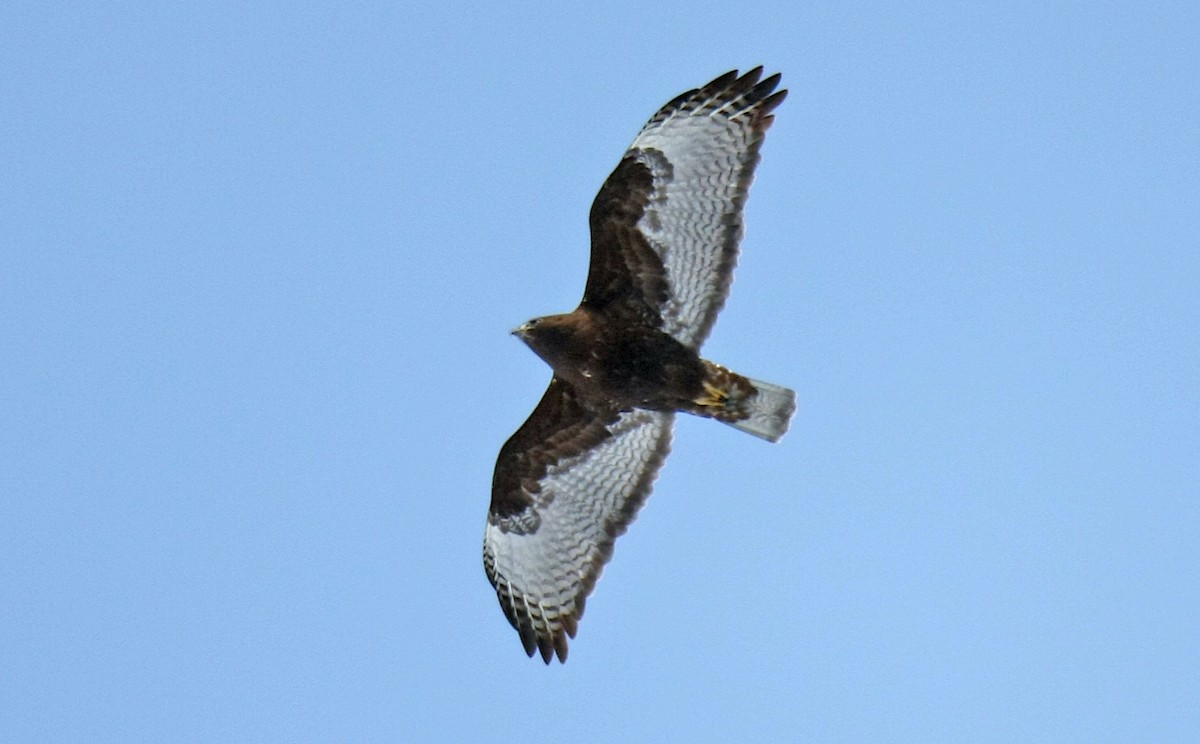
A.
pixel 770 103
pixel 721 81
pixel 756 91
pixel 545 646
pixel 529 639
pixel 546 649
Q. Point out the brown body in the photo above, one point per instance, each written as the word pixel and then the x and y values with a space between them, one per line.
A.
pixel 608 362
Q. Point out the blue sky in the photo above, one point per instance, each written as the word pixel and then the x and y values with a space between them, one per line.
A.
pixel 260 263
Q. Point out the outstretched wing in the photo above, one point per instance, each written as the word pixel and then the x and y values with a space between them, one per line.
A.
pixel 667 222
pixel 567 483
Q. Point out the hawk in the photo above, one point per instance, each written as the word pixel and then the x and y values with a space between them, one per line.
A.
pixel 665 229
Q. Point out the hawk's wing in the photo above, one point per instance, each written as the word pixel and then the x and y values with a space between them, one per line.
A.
pixel 667 222
pixel 567 483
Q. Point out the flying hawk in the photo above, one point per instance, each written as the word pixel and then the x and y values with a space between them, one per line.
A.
pixel 665 230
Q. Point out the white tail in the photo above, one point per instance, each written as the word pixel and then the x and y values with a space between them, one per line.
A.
pixel 771 411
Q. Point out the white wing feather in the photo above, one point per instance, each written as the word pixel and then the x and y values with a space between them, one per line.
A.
pixel 702 150
pixel 544 574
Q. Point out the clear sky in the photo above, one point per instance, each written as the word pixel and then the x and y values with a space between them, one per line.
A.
pixel 259 267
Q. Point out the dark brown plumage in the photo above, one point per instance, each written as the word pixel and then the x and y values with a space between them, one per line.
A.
pixel 665 231
pixel 614 361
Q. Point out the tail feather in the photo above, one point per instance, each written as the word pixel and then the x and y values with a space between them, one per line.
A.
pixel 753 406
pixel 770 411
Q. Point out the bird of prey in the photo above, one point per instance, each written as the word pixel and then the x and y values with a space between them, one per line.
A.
pixel 665 229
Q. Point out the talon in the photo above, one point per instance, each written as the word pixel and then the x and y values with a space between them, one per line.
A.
pixel 715 397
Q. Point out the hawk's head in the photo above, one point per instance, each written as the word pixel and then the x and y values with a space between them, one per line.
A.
pixel 555 338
